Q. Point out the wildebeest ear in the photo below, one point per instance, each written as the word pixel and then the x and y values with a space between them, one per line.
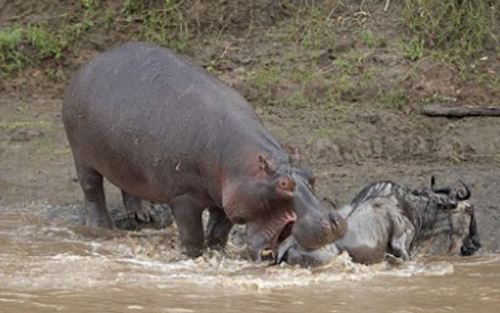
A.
pixel 265 165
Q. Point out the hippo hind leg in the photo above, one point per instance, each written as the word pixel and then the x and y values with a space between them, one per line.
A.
pixel 187 213
pixel 218 229
pixel 137 208
pixel 91 182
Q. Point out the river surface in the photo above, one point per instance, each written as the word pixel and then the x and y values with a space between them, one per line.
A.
pixel 49 264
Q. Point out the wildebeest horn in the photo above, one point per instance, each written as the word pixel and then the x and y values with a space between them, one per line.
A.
pixel 462 196
pixel 438 190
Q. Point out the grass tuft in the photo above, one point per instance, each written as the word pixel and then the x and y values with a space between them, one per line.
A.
pixel 414 50
pixel 460 27
pixel 30 45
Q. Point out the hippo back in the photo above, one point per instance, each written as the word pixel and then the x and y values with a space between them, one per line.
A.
pixel 139 111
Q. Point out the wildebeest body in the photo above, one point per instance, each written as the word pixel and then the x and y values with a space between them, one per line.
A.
pixel 388 218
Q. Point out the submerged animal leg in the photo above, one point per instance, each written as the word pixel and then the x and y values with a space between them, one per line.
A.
pixel 137 208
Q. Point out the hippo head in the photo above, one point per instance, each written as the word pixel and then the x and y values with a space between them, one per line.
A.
pixel 455 228
pixel 276 202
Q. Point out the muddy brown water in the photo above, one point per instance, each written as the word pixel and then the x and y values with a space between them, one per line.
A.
pixel 49 264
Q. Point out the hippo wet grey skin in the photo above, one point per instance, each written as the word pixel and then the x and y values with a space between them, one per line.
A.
pixel 386 218
pixel 162 129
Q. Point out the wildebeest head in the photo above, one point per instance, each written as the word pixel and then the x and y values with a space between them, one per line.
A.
pixel 455 228
pixel 450 197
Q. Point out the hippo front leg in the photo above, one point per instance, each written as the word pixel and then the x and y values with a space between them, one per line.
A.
pixel 187 213
pixel 137 208
pixel 218 229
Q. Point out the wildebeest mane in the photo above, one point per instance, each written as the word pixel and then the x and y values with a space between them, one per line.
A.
pixel 419 206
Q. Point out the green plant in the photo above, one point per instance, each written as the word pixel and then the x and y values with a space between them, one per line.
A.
pixel 297 100
pixel 25 124
pixel 10 57
pixel 130 7
pixel 394 99
pixel 43 43
pixel 320 31
pixel 346 65
pixel 266 78
pixel 458 26
pixel 414 50
pixel 30 45
pixel 311 28
pixel 367 38
pixel 370 40
pixel 88 4
pixel 166 26
pixel 301 76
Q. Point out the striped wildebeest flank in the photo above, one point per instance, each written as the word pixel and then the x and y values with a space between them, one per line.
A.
pixel 389 219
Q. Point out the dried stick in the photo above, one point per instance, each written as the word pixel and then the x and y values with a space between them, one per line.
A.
pixel 460 111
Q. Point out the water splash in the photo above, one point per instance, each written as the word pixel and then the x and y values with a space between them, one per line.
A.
pixel 57 254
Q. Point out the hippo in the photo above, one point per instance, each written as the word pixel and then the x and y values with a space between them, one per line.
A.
pixel 387 219
pixel 164 130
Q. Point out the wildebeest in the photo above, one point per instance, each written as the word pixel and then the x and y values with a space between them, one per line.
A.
pixel 386 218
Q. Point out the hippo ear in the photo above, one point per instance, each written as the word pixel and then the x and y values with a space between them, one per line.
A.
pixel 294 156
pixel 265 165
pixel 309 175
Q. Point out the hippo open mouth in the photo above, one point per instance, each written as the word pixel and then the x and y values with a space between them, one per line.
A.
pixel 265 237
pixel 270 253
pixel 290 250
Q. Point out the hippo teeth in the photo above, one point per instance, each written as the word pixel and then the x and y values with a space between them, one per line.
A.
pixel 271 253
pixel 279 230
pixel 267 254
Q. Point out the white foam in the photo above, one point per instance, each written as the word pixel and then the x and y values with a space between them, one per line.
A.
pixel 135 307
